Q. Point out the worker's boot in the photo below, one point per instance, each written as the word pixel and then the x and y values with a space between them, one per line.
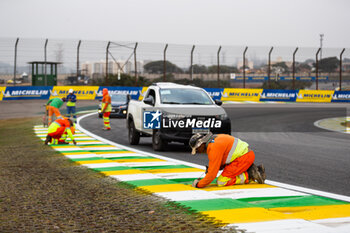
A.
pixel 254 174
pixel 47 140
pixel 261 170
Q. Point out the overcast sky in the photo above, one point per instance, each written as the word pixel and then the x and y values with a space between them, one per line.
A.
pixel 200 22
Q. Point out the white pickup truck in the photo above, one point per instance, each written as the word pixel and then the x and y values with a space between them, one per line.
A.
pixel 172 112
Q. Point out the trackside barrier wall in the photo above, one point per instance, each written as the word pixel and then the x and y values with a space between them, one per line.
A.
pixel 224 94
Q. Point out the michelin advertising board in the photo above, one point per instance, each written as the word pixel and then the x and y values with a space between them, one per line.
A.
pixel 28 92
pixel 134 92
pixel 279 95
pixel 137 93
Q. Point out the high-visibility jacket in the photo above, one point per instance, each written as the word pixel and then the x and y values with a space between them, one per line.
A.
pixel 71 100
pixel 106 102
pixel 59 124
pixel 222 150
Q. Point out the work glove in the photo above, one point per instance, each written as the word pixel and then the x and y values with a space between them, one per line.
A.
pixel 195 182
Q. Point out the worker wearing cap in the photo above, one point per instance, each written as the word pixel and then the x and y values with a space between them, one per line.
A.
pixel 230 154
pixel 71 100
pixel 57 129
pixel 106 109
pixel 53 106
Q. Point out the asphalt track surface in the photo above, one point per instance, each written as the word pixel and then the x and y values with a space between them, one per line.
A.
pixel 283 137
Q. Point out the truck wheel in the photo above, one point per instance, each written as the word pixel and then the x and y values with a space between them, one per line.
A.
pixel 158 143
pixel 134 136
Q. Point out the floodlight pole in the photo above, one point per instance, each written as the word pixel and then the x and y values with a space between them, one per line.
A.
pixel 45 74
pixel 15 63
pixel 269 69
pixel 318 51
pixel 218 60
pixel 295 51
pixel 107 50
pixel 341 68
pixel 164 63
pixel 191 68
pixel 78 50
pixel 135 61
pixel 245 51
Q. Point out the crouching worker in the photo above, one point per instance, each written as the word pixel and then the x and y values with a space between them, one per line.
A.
pixel 64 137
pixel 228 153
pixel 57 129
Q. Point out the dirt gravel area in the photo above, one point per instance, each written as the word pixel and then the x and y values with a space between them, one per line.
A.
pixel 42 191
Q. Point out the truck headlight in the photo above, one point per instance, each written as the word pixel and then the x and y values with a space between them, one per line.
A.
pixel 222 116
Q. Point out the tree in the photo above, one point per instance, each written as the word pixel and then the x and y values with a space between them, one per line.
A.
pixel 281 66
pixel 157 67
pixel 328 64
pixel 223 69
pixel 199 69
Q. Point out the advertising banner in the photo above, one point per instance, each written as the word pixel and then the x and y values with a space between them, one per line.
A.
pixel 134 92
pixel 143 92
pixel 240 94
pixel 341 96
pixel 319 96
pixel 29 92
pixel 215 93
pixel 2 91
pixel 82 92
pixel 279 95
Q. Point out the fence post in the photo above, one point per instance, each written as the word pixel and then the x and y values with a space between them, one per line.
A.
pixel 164 63
pixel 295 51
pixel 341 68
pixel 107 51
pixel 78 48
pixel 191 68
pixel 45 74
pixel 135 61
pixel 218 59
pixel 15 64
pixel 318 51
pixel 269 69
pixel 245 50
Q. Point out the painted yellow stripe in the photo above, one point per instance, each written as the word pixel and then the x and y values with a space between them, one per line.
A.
pixel 124 172
pixel 138 160
pixel 109 146
pixel 214 187
pixel 95 161
pixel 76 153
pixel 245 215
pixel 168 188
pixel 316 212
pixel 111 152
pixel 177 170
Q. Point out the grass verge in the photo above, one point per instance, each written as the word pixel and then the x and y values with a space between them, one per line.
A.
pixel 42 191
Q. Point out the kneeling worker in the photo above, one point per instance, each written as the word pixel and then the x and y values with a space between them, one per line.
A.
pixel 57 129
pixel 228 153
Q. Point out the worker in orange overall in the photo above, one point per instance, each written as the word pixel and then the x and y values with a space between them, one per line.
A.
pixel 106 109
pixel 230 154
pixel 64 137
pixel 53 106
pixel 57 129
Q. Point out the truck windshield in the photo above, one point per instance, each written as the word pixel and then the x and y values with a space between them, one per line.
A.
pixel 184 96
pixel 119 98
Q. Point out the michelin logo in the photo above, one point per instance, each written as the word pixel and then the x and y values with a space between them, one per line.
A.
pixel 26 93
pixel 270 95
pixel 151 119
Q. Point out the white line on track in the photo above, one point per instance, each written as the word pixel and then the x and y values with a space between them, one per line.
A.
pixel 274 183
